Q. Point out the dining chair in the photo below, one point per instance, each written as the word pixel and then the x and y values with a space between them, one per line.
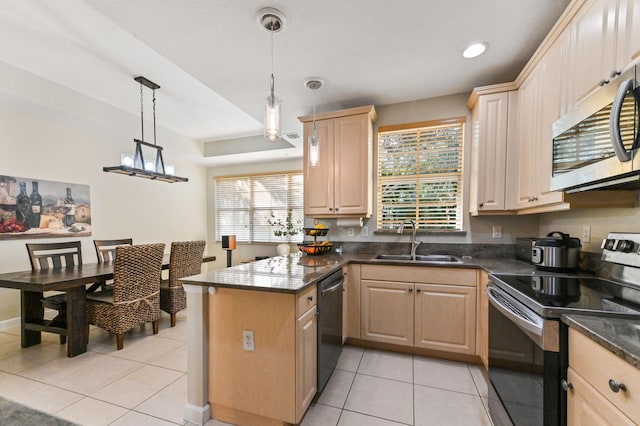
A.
pixel 135 299
pixel 55 255
pixel 106 252
pixel 185 260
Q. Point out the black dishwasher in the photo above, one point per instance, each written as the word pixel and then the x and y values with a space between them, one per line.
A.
pixel 329 325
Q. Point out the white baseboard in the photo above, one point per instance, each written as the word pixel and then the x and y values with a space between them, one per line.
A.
pixel 11 322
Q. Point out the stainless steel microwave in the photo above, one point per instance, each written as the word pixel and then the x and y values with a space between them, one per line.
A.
pixel 596 145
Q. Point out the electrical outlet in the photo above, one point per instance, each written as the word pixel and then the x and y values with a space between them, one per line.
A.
pixel 248 343
pixel 497 232
pixel 350 232
pixel 586 233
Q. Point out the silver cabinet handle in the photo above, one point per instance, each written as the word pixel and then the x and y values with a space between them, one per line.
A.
pixel 603 82
pixel 617 387
pixel 615 73
pixel 410 290
pixel 310 298
pixel 481 204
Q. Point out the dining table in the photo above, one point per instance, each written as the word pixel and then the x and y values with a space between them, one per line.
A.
pixel 70 280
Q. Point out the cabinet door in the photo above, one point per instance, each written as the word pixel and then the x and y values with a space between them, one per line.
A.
pixel 482 336
pixel 306 360
pixel 528 123
pixel 490 151
pixel 352 156
pixel 318 181
pixel 628 40
pixel 353 301
pixel 387 312
pixel 593 47
pixel 586 406
pixel 446 318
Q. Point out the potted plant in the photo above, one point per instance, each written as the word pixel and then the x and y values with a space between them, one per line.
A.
pixel 284 229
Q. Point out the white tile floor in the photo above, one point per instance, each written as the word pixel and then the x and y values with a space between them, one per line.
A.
pixel 145 383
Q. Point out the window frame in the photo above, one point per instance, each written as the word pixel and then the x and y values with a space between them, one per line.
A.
pixel 418 179
pixel 251 208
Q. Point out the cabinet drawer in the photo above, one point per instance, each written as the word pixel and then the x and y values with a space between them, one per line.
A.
pixel 420 274
pixel 306 299
pixel 597 365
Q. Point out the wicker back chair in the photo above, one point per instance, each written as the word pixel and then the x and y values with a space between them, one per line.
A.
pixel 186 259
pixel 136 292
pixel 106 249
pixel 55 255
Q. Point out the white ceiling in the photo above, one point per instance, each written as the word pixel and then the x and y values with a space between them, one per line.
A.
pixel 212 59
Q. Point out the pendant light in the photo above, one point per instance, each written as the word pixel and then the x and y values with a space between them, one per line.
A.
pixel 136 165
pixel 273 21
pixel 314 139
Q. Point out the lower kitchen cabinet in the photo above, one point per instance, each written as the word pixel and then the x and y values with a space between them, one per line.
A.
pixel 351 303
pixel 306 360
pixel 445 318
pixel 387 312
pixel 422 307
pixel 603 388
pixel 482 336
pixel 275 381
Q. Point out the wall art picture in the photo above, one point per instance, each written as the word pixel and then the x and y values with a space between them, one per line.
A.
pixel 37 208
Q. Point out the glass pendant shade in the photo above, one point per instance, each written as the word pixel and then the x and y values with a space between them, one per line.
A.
pixel 314 150
pixel 272 118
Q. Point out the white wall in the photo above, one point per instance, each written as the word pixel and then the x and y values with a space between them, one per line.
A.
pixel 48 132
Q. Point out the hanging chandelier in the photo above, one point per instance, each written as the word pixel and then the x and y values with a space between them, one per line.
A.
pixel 273 21
pixel 135 165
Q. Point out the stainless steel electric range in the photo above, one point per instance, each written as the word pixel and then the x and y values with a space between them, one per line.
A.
pixel 528 343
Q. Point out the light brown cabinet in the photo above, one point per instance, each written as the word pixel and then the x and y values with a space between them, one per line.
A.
pixel 591 397
pixel 493 124
pixel 445 318
pixel 342 183
pixel 351 303
pixel 387 312
pixel 306 360
pixel 431 308
pixel 482 337
pixel 241 389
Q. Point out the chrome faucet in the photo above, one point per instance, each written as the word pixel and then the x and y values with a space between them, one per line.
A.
pixel 414 243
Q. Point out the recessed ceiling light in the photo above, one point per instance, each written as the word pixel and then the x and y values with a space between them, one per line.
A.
pixel 475 49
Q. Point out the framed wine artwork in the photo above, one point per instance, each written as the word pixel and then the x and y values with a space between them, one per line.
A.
pixel 37 208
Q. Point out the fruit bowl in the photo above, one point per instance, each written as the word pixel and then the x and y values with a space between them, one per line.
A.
pixel 312 249
pixel 316 232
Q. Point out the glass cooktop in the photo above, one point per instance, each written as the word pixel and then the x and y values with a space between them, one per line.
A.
pixel 553 295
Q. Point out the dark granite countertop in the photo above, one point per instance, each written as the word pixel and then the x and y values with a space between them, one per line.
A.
pixel 619 335
pixel 293 273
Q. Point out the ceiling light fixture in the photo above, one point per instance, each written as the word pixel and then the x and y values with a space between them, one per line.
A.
pixel 136 165
pixel 313 139
pixel 475 49
pixel 273 21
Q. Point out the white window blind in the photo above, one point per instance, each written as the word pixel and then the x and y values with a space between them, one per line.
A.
pixel 244 205
pixel 420 175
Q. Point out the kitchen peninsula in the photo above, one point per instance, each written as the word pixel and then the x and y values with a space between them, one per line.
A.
pixel 252 340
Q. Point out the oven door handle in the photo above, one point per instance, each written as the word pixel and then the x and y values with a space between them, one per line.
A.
pixel 331 289
pixel 515 311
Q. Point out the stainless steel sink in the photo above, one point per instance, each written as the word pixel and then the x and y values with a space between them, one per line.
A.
pixel 431 258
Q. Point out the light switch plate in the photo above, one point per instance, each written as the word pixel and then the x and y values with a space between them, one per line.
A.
pixel 586 234
pixel 497 231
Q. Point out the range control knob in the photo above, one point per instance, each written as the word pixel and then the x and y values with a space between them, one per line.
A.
pixel 624 246
pixel 608 244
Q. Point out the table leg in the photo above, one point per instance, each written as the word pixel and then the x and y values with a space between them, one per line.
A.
pixel 76 321
pixel 31 310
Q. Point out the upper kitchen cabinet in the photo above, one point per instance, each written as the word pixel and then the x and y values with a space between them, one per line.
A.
pixel 493 124
pixel 605 38
pixel 342 182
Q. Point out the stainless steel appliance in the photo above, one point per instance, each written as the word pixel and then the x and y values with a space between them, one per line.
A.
pixel 523 248
pixel 528 343
pixel 596 144
pixel 329 325
pixel 556 254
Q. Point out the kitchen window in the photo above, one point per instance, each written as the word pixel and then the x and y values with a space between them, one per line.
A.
pixel 243 205
pixel 420 174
